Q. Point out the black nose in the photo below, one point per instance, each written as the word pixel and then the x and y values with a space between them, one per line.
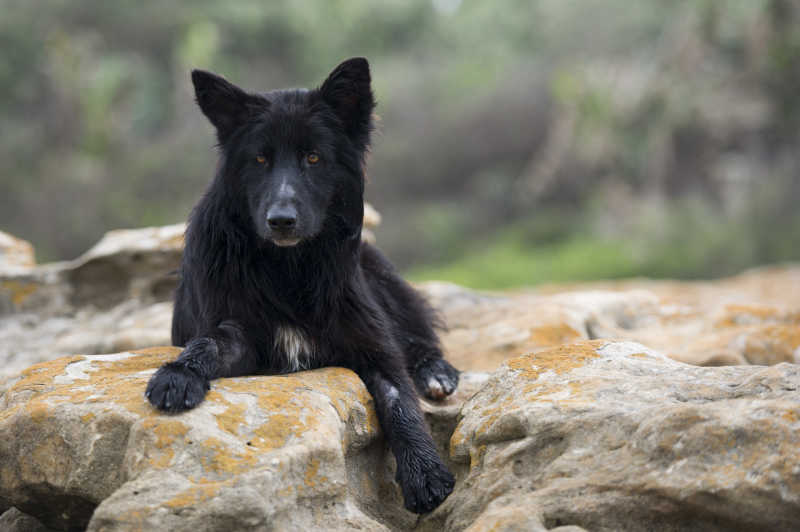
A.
pixel 282 218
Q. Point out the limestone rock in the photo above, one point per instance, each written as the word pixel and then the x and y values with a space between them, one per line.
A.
pixel 372 218
pixel 610 435
pixel 80 447
pixel 598 435
pixel 15 253
pixel 294 450
pixel 483 330
pixel 753 318
pixel 124 265
pixel 15 521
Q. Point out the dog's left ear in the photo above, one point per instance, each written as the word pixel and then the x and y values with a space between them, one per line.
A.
pixel 347 90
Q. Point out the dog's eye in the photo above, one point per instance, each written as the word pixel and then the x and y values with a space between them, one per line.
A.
pixel 312 158
pixel 260 159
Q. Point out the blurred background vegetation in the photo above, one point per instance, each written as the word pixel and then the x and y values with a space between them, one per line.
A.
pixel 520 141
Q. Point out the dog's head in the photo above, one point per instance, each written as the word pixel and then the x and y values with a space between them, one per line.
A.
pixel 294 157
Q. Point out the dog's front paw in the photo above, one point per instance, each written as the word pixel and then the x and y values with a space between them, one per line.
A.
pixel 425 483
pixel 435 378
pixel 175 387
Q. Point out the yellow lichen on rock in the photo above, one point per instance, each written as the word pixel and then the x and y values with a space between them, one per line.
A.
pixel 555 334
pixel 18 291
pixel 612 424
pixel 288 434
pixel 559 359
pixel 195 495
pixel 522 384
pixel 166 433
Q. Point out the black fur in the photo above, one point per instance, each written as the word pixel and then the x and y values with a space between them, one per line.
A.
pixel 275 245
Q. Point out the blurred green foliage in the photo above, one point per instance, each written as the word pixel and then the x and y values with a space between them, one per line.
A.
pixel 519 141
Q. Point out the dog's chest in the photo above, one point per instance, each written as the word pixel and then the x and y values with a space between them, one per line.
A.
pixel 295 347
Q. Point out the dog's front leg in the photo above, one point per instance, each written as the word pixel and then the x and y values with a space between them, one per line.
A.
pixel 423 478
pixel 183 383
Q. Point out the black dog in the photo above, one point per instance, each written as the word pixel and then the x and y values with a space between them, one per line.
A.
pixel 275 278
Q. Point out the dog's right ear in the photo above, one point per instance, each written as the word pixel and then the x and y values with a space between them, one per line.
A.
pixel 226 105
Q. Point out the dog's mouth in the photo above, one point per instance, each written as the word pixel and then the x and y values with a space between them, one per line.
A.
pixel 285 242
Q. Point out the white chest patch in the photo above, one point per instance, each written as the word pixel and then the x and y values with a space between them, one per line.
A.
pixel 295 347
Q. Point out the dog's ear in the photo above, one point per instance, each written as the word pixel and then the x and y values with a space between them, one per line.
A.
pixel 347 90
pixel 224 104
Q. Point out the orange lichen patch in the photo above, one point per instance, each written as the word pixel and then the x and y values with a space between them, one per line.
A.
pixel 476 455
pixel 33 383
pixel 38 413
pixel 41 375
pixel 166 432
pixel 220 459
pixel 278 430
pixel 87 417
pixel 283 404
pixel 535 391
pixel 456 440
pixel 160 351
pixel 285 397
pixel 551 335
pixel 770 344
pixel 232 418
pixel 195 495
pixel 791 416
pixel 560 359
pixel 501 401
pixel 19 290
pixel 640 355
pixel 106 381
pixel 489 416
pixel 114 380
pixel 312 476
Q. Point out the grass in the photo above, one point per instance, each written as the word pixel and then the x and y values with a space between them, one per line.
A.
pixel 509 262
pixel 683 241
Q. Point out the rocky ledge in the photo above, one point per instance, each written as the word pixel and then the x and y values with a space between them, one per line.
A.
pixel 117 297
pixel 599 435
pixel 631 405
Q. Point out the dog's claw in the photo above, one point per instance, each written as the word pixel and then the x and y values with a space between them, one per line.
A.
pixel 435 378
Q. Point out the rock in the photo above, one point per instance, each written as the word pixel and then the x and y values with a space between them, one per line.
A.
pixel 598 435
pixel 15 521
pixel 127 264
pixel 77 432
pixel 15 253
pixel 80 446
pixel 372 218
pixel 753 318
pixel 483 330
pixel 611 435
